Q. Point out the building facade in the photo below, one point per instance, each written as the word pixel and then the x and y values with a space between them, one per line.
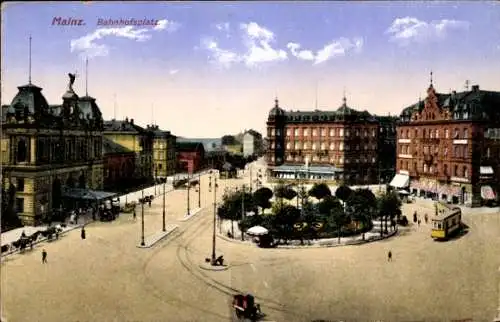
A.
pixel 338 146
pixel 119 166
pixel 46 148
pixel 252 143
pixel 448 146
pixel 135 138
pixel 164 156
pixel 190 156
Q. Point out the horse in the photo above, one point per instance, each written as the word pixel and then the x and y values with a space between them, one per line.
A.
pixel 5 248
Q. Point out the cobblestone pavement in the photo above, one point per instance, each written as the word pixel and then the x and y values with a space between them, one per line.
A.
pixel 107 278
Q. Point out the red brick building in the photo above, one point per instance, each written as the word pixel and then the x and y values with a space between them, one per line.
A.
pixel 190 156
pixel 118 165
pixel 340 145
pixel 448 146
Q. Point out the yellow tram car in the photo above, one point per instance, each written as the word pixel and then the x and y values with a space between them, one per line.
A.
pixel 447 222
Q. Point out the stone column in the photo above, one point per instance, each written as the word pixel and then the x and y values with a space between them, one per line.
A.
pixel 32 149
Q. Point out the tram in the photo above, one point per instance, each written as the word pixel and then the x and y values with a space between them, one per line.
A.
pixel 447 222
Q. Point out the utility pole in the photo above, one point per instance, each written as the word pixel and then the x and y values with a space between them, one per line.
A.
pixel 242 209
pixel 199 190
pixel 164 184
pixel 215 217
pixel 142 220
pixel 188 188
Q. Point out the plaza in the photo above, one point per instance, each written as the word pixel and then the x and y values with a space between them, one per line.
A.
pixel 107 278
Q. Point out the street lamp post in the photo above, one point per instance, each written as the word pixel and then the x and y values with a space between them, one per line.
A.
pixel 164 184
pixel 155 178
pixel 215 216
pixel 142 220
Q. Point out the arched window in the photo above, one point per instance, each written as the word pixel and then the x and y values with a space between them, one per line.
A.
pixel 22 151
pixel 466 172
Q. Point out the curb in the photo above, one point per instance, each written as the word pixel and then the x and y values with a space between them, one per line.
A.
pixel 164 234
pixel 193 214
pixel 319 245
pixel 208 267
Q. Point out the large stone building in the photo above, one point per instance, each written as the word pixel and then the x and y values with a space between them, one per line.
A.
pixel 164 158
pixel 449 145
pixel 119 166
pixel 252 143
pixel 47 148
pixel 339 145
pixel 135 138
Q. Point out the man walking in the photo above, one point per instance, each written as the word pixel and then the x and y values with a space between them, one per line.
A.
pixel 44 256
pixel 83 232
pixel 135 214
pixel 389 256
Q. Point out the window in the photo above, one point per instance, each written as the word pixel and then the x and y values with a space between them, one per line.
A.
pixel 425 167
pixel 366 133
pixel 456 171
pixel 431 132
pixel 20 205
pixel 332 146
pixel 341 132
pixel 437 134
pixel 306 132
pixel 425 133
pixel 341 146
pixel 487 152
pixel 466 173
pixel 278 132
pixel 466 133
pixel 356 133
pixel 22 151
pixel 455 134
pixel 306 145
pixel 415 166
pixel 323 146
pixel 445 170
pixel 407 134
pixel 288 146
pixel 456 152
pixel 416 133
pixel 314 132
pixel 323 132
pixel 160 166
pixel 366 147
pixel 374 132
pixel 445 152
pixel 314 146
pixel 431 169
pixel 288 132
pixel 20 184
pixel 297 145
pixel 447 134
pixel 332 132
pixel 296 132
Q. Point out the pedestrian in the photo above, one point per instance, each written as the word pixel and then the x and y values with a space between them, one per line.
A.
pixel 415 217
pixel 149 202
pixel 83 232
pixel 44 256
pixel 418 223
pixel 426 218
pixel 389 256
pixel 135 214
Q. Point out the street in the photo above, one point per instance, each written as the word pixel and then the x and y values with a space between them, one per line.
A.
pixel 107 278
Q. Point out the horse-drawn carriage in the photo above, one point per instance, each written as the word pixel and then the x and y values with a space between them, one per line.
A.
pixel 246 308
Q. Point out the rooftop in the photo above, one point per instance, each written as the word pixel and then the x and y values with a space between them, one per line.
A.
pixel 110 147
pixel 122 126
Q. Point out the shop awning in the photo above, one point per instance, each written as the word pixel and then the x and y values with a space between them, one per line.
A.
pixel 485 170
pixel 400 181
pixel 87 194
pixel 487 193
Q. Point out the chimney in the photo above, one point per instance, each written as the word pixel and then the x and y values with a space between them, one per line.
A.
pixel 475 88
pixel 132 121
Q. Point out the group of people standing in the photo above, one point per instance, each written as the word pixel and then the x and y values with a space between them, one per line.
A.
pixel 417 220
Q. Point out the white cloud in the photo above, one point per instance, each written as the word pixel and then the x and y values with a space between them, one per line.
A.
pixel 410 29
pixel 336 48
pixel 223 57
pixel 223 26
pixel 258 49
pixel 173 71
pixel 87 45
pixel 167 25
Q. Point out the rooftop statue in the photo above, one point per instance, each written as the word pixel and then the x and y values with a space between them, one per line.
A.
pixel 71 81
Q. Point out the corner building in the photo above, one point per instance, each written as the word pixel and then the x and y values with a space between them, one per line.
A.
pixel 46 148
pixel 448 147
pixel 336 146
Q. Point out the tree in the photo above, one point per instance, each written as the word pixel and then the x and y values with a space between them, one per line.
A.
pixel 284 219
pixel 327 204
pixel 320 191
pixel 228 140
pixel 232 206
pixel 339 218
pixel 343 193
pixel 389 206
pixel 362 206
pixel 261 198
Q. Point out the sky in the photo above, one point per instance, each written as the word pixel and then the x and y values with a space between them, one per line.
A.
pixel 205 69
